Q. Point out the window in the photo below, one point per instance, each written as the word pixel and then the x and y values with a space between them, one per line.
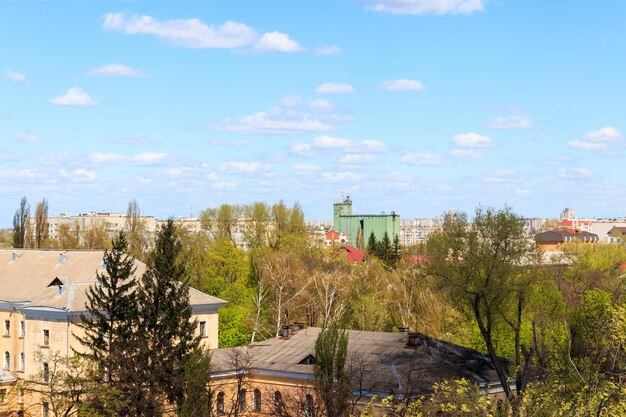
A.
pixel 242 400
pixel 7 360
pixel 202 326
pixel 44 410
pixel 221 409
pixel 45 372
pixel 278 403
pixel 308 405
pixel 257 400
pixel 22 328
pixel 7 327
pixel 22 361
pixel 3 396
pixel 46 337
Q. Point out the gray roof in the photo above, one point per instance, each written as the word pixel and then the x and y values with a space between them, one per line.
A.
pixel 26 275
pixel 391 366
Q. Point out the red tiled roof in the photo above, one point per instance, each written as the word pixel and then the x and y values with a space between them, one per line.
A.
pixel 353 254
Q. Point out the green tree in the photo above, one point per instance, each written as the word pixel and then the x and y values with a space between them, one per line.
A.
pixel 479 263
pixel 110 319
pixel 165 326
pixel 136 230
pixel 41 223
pixel 372 245
pixel 20 220
pixel 331 381
pixel 197 378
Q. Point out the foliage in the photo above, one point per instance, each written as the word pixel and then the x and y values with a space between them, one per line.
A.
pixel 20 220
pixel 331 382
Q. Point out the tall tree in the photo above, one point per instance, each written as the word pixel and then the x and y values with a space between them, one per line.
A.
pixel 165 324
pixel 480 262
pixel 136 230
pixel 331 380
pixel 41 223
pixel 20 220
pixel 372 244
pixel 111 317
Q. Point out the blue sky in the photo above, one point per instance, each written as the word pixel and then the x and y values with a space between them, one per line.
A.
pixel 417 106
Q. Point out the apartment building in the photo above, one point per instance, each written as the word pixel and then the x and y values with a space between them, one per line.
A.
pixel 42 297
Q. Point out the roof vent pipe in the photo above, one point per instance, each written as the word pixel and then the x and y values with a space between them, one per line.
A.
pixel 62 258
pixel 15 256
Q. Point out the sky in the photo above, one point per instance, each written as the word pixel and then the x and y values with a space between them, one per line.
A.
pixel 412 106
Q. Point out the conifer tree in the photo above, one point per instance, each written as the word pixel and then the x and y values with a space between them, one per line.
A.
pixel 372 244
pixel 165 327
pixel 111 313
pixel 385 250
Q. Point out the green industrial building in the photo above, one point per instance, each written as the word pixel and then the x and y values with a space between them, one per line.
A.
pixel 359 227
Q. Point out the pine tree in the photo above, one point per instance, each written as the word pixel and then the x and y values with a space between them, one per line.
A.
pixel 385 251
pixel 111 313
pixel 372 245
pixel 165 327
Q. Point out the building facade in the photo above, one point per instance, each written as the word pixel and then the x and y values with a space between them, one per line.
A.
pixel 359 227
pixel 42 297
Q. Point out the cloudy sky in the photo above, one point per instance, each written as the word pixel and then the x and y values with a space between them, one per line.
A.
pixel 417 106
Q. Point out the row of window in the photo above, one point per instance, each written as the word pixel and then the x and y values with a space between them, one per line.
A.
pixel 7 328
pixel 242 403
pixel 45 333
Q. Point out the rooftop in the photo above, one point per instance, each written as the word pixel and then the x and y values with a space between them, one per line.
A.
pixel 60 279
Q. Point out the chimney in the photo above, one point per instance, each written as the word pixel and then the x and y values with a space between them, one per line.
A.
pixel 413 340
pixel 286 331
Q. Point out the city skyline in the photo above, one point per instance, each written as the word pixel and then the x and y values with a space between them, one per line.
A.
pixel 417 107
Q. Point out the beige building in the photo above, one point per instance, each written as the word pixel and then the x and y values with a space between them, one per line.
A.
pixel 42 296
pixel 276 376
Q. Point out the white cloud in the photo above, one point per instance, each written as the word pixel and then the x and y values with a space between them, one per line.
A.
pixel 425 158
pixel 117 70
pixel 502 176
pixel 80 174
pixel 242 167
pixel 277 42
pixel 306 167
pixel 145 158
pixel 466 154
pixel 331 142
pixel 14 76
pixel 20 174
pixel 357 158
pixel 74 97
pixel 290 101
pixel 605 140
pixel 401 85
pixel 341 176
pixel 574 173
pixel 194 33
pixel 327 50
pixel 522 191
pixel 148 157
pixel 320 104
pixel 188 33
pixel 334 88
pixel 422 7
pixel 224 185
pixel 301 149
pixel 515 121
pixel 281 121
pixel 472 140
pixel 29 138
pixel 373 146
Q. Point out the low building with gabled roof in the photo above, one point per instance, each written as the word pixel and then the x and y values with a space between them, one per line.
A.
pixel 43 295
pixel 378 363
